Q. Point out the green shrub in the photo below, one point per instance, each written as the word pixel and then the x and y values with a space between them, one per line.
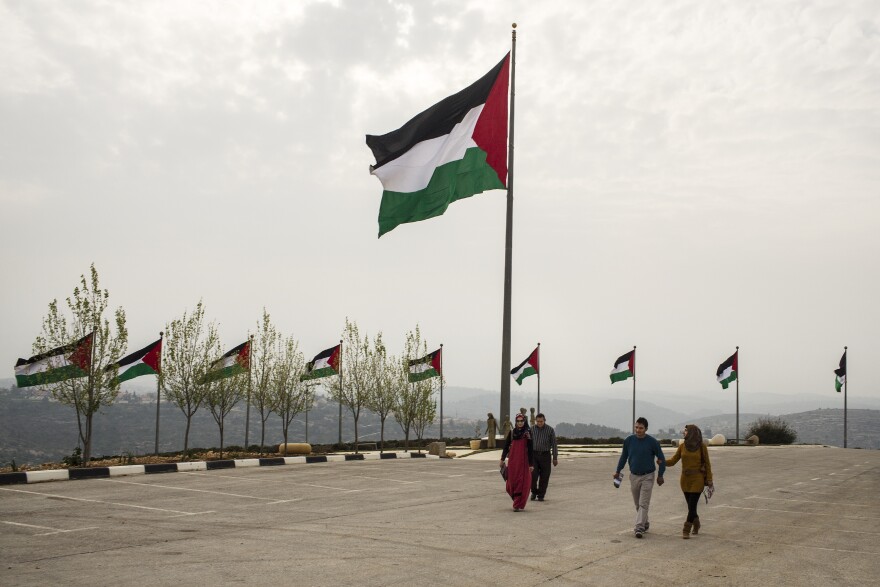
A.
pixel 772 431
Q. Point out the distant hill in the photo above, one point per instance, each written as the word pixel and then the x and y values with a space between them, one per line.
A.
pixel 812 427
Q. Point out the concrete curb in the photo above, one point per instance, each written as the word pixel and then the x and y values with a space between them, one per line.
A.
pixel 23 477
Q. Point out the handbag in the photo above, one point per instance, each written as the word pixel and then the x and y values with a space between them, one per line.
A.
pixel 703 467
pixel 503 471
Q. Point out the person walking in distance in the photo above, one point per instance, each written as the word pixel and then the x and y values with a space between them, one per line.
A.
pixel 518 445
pixel 491 430
pixel 696 473
pixel 544 444
pixel 640 450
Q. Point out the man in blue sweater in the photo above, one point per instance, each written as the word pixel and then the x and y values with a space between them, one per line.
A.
pixel 640 450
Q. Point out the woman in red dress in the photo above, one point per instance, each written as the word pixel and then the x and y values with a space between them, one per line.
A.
pixel 518 445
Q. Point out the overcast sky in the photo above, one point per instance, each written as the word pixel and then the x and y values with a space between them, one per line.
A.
pixel 689 176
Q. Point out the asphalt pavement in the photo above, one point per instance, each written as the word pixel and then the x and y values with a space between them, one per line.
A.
pixel 780 516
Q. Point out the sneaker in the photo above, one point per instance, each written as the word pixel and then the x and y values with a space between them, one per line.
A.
pixel 534 496
pixel 639 534
pixel 515 509
pixel 540 498
pixel 647 525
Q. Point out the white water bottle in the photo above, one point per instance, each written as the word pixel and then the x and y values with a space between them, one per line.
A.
pixel 618 480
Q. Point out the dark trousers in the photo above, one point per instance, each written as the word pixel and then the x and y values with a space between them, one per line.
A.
pixel 541 474
pixel 692 500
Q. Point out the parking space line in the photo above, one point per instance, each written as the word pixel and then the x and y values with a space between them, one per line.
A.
pixel 823 528
pixel 737 507
pixel 867 505
pixel 382 479
pixel 802 546
pixel 285 481
pixel 53 530
pixel 200 491
pixel 124 505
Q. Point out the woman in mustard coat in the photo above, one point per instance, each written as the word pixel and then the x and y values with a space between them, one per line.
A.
pixel 696 473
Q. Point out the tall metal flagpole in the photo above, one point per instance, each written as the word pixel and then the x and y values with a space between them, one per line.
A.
pixel 539 377
pixel 633 421
pixel 508 244
pixel 845 381
pixel 158 393
pixel 737 395
pixel 441 391
pixel 340 394
pixel 247 411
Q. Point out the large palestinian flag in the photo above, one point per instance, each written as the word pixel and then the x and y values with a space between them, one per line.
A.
pixel 431 365
pixel 325 364
pixel 452 150
pixel 624 367
pixel 146 361
pixel 726 372
pixel 526 368
pixel 840 372
pixel 65 362
pixel 234 362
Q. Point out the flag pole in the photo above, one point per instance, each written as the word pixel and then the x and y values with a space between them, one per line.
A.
pixel 441 392
pixel 845 381
pixel 633 421
pixel 539 377
pixel 737 395
pixel 158 394
pixel 340 395
pixel 508 243
pixel 247 410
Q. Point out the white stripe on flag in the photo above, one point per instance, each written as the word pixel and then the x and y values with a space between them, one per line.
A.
pixel 412 171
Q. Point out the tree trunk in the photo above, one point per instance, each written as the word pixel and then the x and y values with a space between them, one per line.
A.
pixel 220 424
pixel 355 433
pixel 262 437
pixel 285 439
pixel 382 437
pixel 186 434
pixel 87 441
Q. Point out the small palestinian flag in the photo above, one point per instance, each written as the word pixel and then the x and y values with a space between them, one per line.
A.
pixel 325 364
pixel 428 366
pixel 726 373
pixel 452 150
pixel 840 381
pixel 146 361
pixel 234 362
pixel 60 364
pixel 526 368
pixel 624 367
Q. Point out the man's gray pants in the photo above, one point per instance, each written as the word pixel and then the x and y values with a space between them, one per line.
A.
pixel 642 486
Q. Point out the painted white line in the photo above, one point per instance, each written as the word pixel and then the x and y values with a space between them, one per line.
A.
pixel 53 530
pixel 190 489
pixel 822 528
pixel 382 479
pixel 867 505
pixel 328 487
pixel 736 507
pixel 815 478
pixel 804 546
pixel 441 474
pixel 124 505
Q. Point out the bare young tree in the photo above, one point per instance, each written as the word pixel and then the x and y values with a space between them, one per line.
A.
pixel 407 405
pixel 426 406
pixel 86 394
pixel 190 343
pixel 353 387
pixel 289 395
pixel 389 380
pixel 221 396
pixel 263 358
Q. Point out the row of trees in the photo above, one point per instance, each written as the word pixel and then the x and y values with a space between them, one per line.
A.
pixel 370 378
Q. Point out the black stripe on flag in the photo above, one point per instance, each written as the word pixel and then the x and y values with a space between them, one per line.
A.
pixel 436 121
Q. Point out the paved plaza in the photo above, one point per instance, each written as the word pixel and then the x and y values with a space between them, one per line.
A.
pixel 780 516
